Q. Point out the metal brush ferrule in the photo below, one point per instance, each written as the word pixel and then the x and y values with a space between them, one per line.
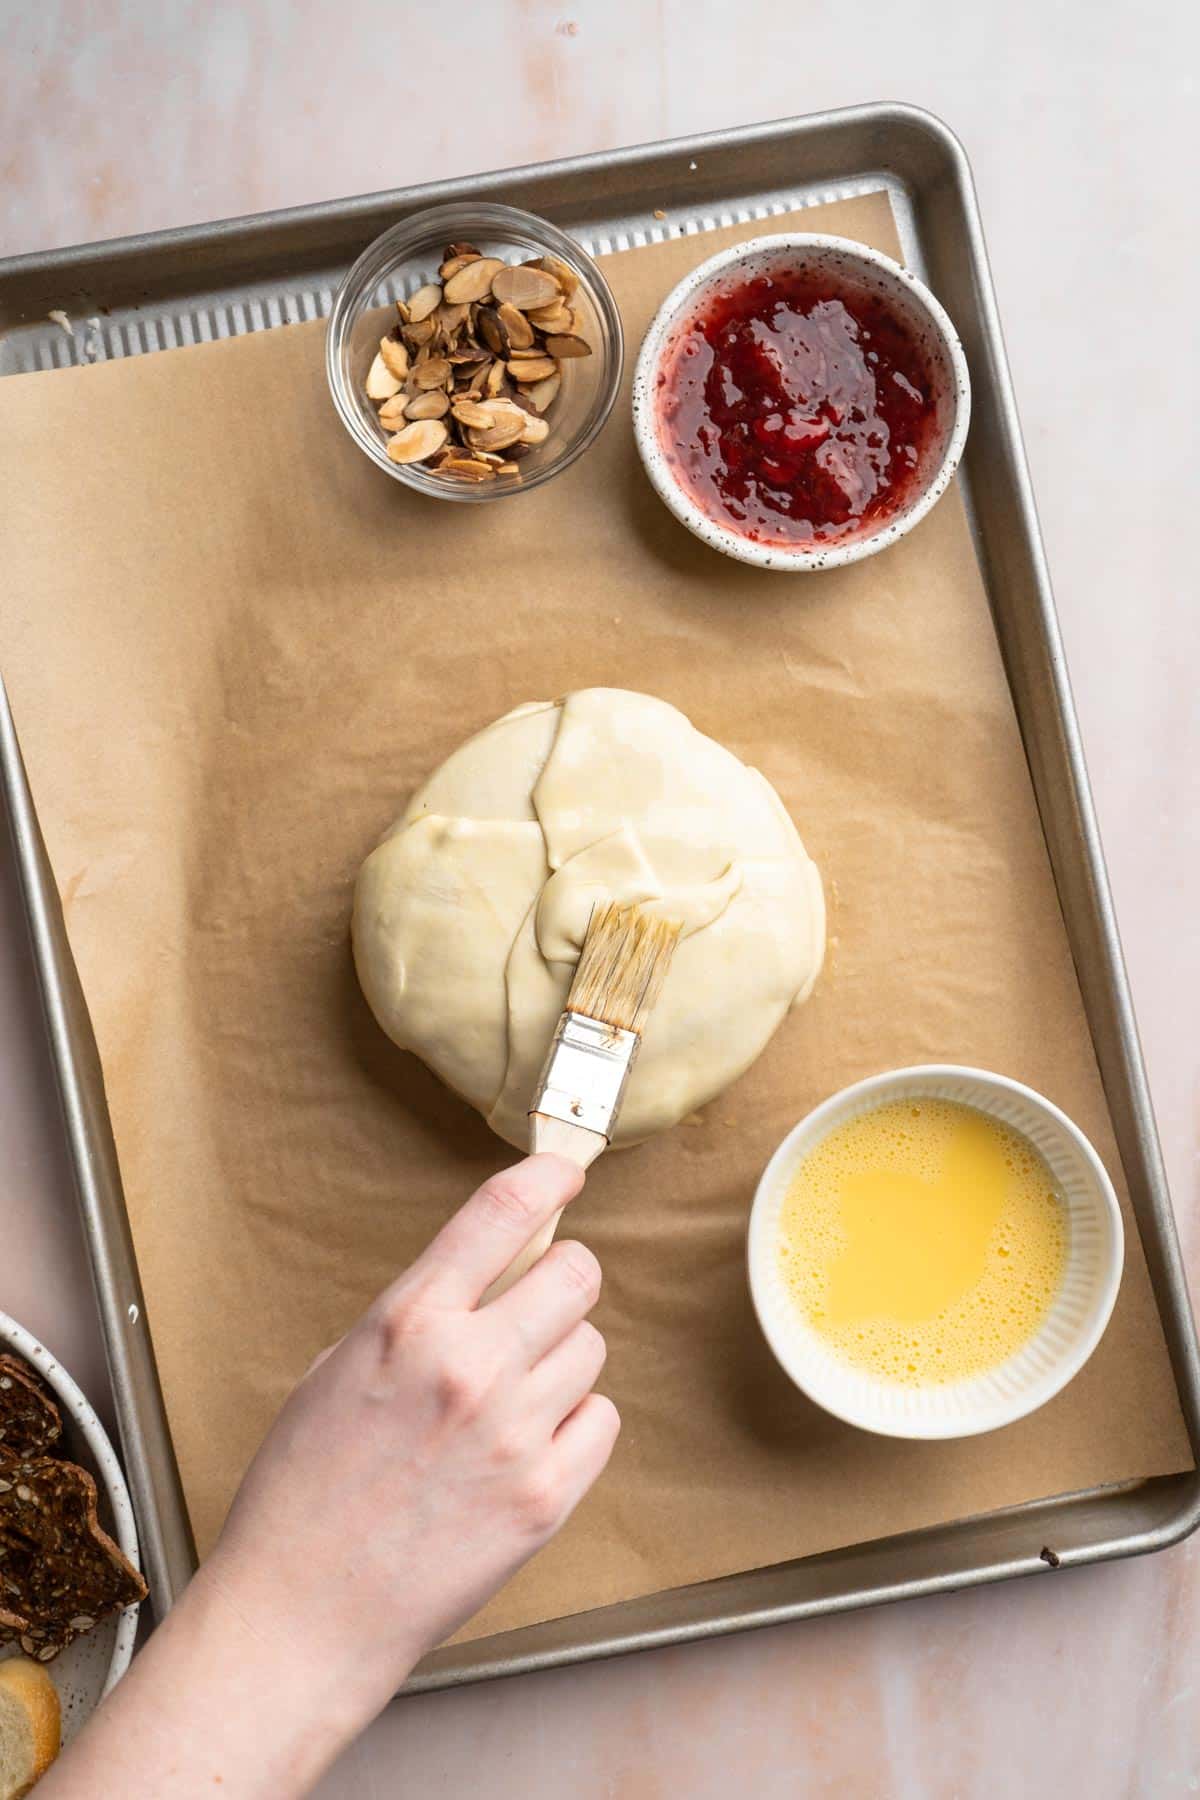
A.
pixel 584 1076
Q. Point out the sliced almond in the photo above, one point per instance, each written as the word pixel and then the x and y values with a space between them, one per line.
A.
pixel 525 287
pixel 467 468
pixel 381 383
pixel 425 301
pixel 474 281
pixel 508 468
pixel 402 311
pixel 476 384
pixel 553 318
pixel 562 348
pixel 492 330
pixel 453 264
pixel 535 369
pixel 542 394
pixel 431 374
pixel 516 326
pixel 434 405
pixel 419 334
pixel 463 357
pixel 449 317
pixel 565 276
pixel 499 436
pixel 469 412
pixel 535 431
pixel 395 357
pixel 461 250
pixel 417 441
pixel 495 380
pixel 392 413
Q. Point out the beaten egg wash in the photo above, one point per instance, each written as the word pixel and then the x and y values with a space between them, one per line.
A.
pixel 923 1240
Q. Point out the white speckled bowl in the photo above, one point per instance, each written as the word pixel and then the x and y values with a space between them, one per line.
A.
pixel 95 1662
pixel 858 267
pixel 1071 1329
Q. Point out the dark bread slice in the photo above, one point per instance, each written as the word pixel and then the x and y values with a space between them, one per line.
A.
pixel 59 1570
pixel 30 1422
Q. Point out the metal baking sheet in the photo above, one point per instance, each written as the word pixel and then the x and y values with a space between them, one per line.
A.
pixel 140 295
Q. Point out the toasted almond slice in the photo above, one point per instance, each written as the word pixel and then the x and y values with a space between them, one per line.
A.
pixel 476 384
pixel 516 325
pixel 434 405
pixel 542 394
pixel 464 356
pixel 467 468
pixel 562 272
pixel 492 331
pixel 424 302
pixel 474 281
pixel 495 380
pixel 470 412
pixel 419 334
pixel 453 264
pixel 462 250
pixel 499 436
pixel 381 383
pixel 529 354
pixel 432 373
pixel 535 369
pixel 451 316
pixel 395 357
pixel 525 287
pixel 508 468
pixel 562 348
pixel 392 414
pixel 534 430
pixel 553 318
pixel 417 441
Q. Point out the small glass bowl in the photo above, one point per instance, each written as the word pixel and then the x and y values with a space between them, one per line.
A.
pixel 402 260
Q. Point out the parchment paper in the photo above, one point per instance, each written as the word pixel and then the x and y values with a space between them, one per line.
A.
pixel 233 648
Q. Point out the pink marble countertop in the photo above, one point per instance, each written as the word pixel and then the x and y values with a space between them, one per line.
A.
pixel 121 116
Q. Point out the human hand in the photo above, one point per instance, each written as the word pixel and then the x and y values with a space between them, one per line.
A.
pixel 432 1451
pixel 419 1463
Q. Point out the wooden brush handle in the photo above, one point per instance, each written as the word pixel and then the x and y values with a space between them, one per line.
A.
pixel 578 1146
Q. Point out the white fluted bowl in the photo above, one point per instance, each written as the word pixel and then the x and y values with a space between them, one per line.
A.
pixel 1070 1330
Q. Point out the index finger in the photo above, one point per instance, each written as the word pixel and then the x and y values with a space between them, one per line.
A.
pixel 477 1245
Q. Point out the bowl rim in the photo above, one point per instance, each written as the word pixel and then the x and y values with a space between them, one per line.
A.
pixel 879 1087
pixel 16 1336
pixel 783 557
pixel 494 215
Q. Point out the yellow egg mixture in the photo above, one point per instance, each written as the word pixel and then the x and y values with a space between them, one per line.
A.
pixel 924 1240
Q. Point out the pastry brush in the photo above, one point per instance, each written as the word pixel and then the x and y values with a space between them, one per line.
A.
pixel 622 966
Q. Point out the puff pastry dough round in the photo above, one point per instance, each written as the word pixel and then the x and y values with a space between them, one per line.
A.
pixel 469 915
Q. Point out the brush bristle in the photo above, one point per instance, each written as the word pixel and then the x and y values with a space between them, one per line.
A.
pixel 622 966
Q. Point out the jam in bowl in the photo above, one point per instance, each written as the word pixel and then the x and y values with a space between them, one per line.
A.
pixel 800 401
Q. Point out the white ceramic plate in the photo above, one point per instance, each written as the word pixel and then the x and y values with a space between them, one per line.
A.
pixel 1071 1328
pixel 93 1663
pixel 856 266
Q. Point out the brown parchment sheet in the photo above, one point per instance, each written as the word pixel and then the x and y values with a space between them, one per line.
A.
pixel 233 648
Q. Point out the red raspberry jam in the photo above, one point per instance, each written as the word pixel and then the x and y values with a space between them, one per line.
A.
pixel 793 412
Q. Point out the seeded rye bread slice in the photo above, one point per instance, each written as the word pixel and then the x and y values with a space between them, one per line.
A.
pixel 59 1570
pixel 30 1422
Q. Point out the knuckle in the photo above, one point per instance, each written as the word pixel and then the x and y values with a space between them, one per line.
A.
pixel 540 1505
pixel 462 1388
pixel 593 1343
pixel 507 1204
pixel 509 1448
pixel 578 1268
